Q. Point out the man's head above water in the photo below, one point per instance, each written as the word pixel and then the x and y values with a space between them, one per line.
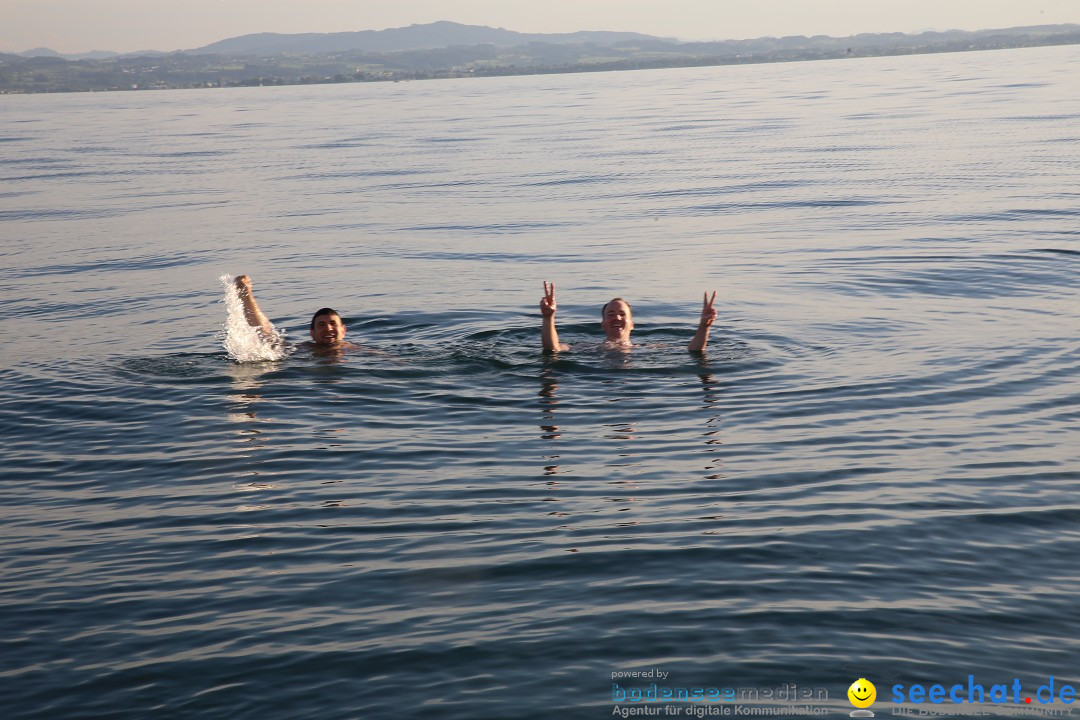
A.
pixel 327 327
pixel 617 320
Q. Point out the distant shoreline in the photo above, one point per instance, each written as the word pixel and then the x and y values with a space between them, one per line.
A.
pixel 36 75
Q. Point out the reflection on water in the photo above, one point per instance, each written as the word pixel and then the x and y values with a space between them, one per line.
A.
pixel 247 379
pixel 243 408
pixel 711 404
pixel 549 431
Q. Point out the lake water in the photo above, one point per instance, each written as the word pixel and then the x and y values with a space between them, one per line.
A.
pixel 872 472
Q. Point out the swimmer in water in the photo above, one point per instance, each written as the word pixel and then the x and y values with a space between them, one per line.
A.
pixel 327 327
pixel 617 320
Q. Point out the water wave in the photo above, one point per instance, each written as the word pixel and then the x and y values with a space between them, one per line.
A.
pixel 243 342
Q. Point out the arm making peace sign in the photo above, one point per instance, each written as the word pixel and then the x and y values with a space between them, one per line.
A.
pixel 708 314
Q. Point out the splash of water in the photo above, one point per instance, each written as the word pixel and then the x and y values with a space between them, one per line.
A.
pixel 243 342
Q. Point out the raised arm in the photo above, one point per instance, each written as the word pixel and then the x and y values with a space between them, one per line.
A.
pixel 708 314
pixel 549 336
pixel 252 313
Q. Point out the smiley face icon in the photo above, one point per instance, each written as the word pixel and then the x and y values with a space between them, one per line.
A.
pixel 862 693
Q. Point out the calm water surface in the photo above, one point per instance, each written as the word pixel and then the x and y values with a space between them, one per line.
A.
pixel 872 472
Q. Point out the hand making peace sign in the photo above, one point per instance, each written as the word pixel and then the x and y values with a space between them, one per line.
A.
pixel 708 312
pixel 547 303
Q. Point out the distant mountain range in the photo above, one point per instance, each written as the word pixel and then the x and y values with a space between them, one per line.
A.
pixel 447 49
pixel 445 34
pixel 415 37
pixel 46 52
pixel 428 36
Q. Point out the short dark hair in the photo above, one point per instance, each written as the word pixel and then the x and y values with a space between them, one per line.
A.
pixel 603 310
pixel 320 312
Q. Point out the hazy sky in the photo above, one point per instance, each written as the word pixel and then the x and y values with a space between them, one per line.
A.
pixel 128 25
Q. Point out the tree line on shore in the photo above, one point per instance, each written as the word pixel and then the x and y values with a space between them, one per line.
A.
pixel 201 70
